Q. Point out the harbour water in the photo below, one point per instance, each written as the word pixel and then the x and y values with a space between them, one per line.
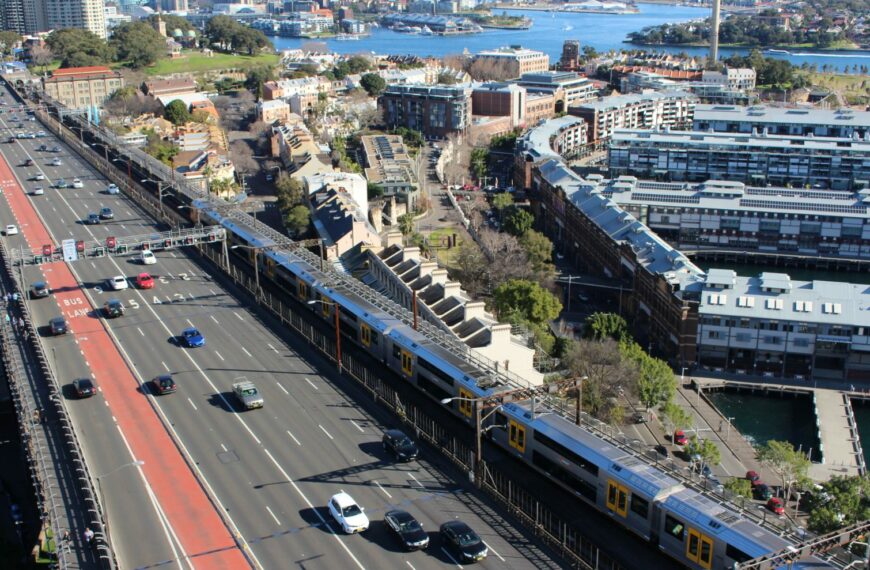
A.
pixel 862 418
pixel 761 418
pixel 604 32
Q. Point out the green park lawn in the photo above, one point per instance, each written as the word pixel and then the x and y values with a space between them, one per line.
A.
pixel 195 62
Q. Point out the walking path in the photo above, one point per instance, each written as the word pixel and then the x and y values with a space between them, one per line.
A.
pixel 840 443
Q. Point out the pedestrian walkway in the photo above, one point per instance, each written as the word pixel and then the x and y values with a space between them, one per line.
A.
pixel 840 443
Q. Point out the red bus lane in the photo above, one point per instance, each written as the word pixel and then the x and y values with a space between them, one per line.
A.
pixel 202 533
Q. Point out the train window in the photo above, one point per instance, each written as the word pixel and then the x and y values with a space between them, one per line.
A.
pixel 437 392
pixel 674 527
pixel 440 374
pixel 617 498
pixel 705 559
pixel 574 458
pixel 517 436
pixel 407 363
pixel 693 546
pixel 583 488
pixel 397 351
pixel 639 505
pixel 466 406
pixel 500 419
pixel 736 554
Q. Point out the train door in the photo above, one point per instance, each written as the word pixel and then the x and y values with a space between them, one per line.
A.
pixel 407 363
pixel 517 436
pixel 365 334
pixel 302 289
pixel 699 549
pixel 617 498
pixel 466 406
pixel 270 267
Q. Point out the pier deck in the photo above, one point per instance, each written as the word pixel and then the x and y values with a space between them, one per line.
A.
pixel 841 447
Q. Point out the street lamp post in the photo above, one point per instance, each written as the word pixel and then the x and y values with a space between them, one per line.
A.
pixel 479 418
pixel 579 407
pixel 159 190
pixel 256 250
pixel 337 328
pixel 129 168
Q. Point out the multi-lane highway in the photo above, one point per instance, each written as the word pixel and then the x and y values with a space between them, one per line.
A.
pixel 269 473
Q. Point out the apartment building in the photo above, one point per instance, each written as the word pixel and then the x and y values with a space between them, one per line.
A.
pixel 737 79
pixel 569 88
pixel 781 121
pixel 500 100
pixel 87 14
pixel 388 164
pixel 643 81
pixel 641 111
pixel 341 222
pixel 516 60
pixel 299 152
pixel 773 326
pixel 273 111
pixel 784 160
pixel 82 87
pixel 175 86
pixel 731 216
pixel 434 110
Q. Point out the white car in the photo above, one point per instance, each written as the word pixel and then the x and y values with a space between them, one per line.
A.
pixel 38 191
pixel 347 513
pixel 118 282
pixel 77 183
pixel 11 230
pixel 112 189
pixel 56 162
pixel 147 257
pixel 39 176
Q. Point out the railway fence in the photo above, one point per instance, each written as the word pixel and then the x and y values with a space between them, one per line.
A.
pixel 65 491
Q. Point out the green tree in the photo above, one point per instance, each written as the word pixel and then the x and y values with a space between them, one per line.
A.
pixel 256 77
pixel 8 40
pixel 358 64
pixel 298 219
pixel 138 44
pixel 502 200
pixel 479 159
pixel 539 249
pixel 446 78
pixel 705 449
pixel 176 112
pixel 406 224
pixel 599 326
pixel 375 190
pixel 656 384
pixel 843 500
pixel 526 300
pixel 517 221
pixel 289 191
pixel 784 460
pixel 739 486
pixel 76 47
pixel 676 416
pixel 373 84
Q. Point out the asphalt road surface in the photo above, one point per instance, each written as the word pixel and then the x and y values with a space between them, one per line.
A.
pixel 270 471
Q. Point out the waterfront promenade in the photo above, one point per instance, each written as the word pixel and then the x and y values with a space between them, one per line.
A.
pixel 834 420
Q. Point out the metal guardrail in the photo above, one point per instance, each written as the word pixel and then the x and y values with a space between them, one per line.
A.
pixel 57 466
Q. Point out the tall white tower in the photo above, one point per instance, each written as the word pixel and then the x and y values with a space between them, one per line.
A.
pixel 714 32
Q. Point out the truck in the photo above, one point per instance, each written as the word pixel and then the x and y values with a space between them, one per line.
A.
pixel 248 395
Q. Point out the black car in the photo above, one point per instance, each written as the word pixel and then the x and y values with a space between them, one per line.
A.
pixel 406 528
pixel 39 289
pixel 464 542
pixel 84 388
pixel 58 326
pixel 43 148
pixel 28 162
pixel 661 450
pixel 107 214
pixel 400 445
pixel 113 308
pixel 762 492
pixel 164 384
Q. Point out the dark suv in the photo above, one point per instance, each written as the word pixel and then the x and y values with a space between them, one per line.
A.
pixel 58 326
pixel 164 384
pixel 113 308
pixel 400 445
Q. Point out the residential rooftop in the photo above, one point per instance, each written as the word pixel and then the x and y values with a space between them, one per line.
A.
pixel 779 115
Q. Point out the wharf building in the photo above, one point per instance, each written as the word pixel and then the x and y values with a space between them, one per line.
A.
pixel 719 215
pixel 767 325
pixel 841 163
pixel 781 121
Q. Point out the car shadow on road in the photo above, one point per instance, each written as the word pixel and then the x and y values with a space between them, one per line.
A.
pixel 222 400
pixel 380 534
pixel 309 515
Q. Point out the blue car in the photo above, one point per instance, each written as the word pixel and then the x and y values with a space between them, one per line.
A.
pixel 193 338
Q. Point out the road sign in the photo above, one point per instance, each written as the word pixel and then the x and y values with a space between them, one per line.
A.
pixel 69 250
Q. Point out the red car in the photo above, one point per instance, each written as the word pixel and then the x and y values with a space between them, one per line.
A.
pixel 144 281
pixel 775 505
pixel 680 437
pixel 753 478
